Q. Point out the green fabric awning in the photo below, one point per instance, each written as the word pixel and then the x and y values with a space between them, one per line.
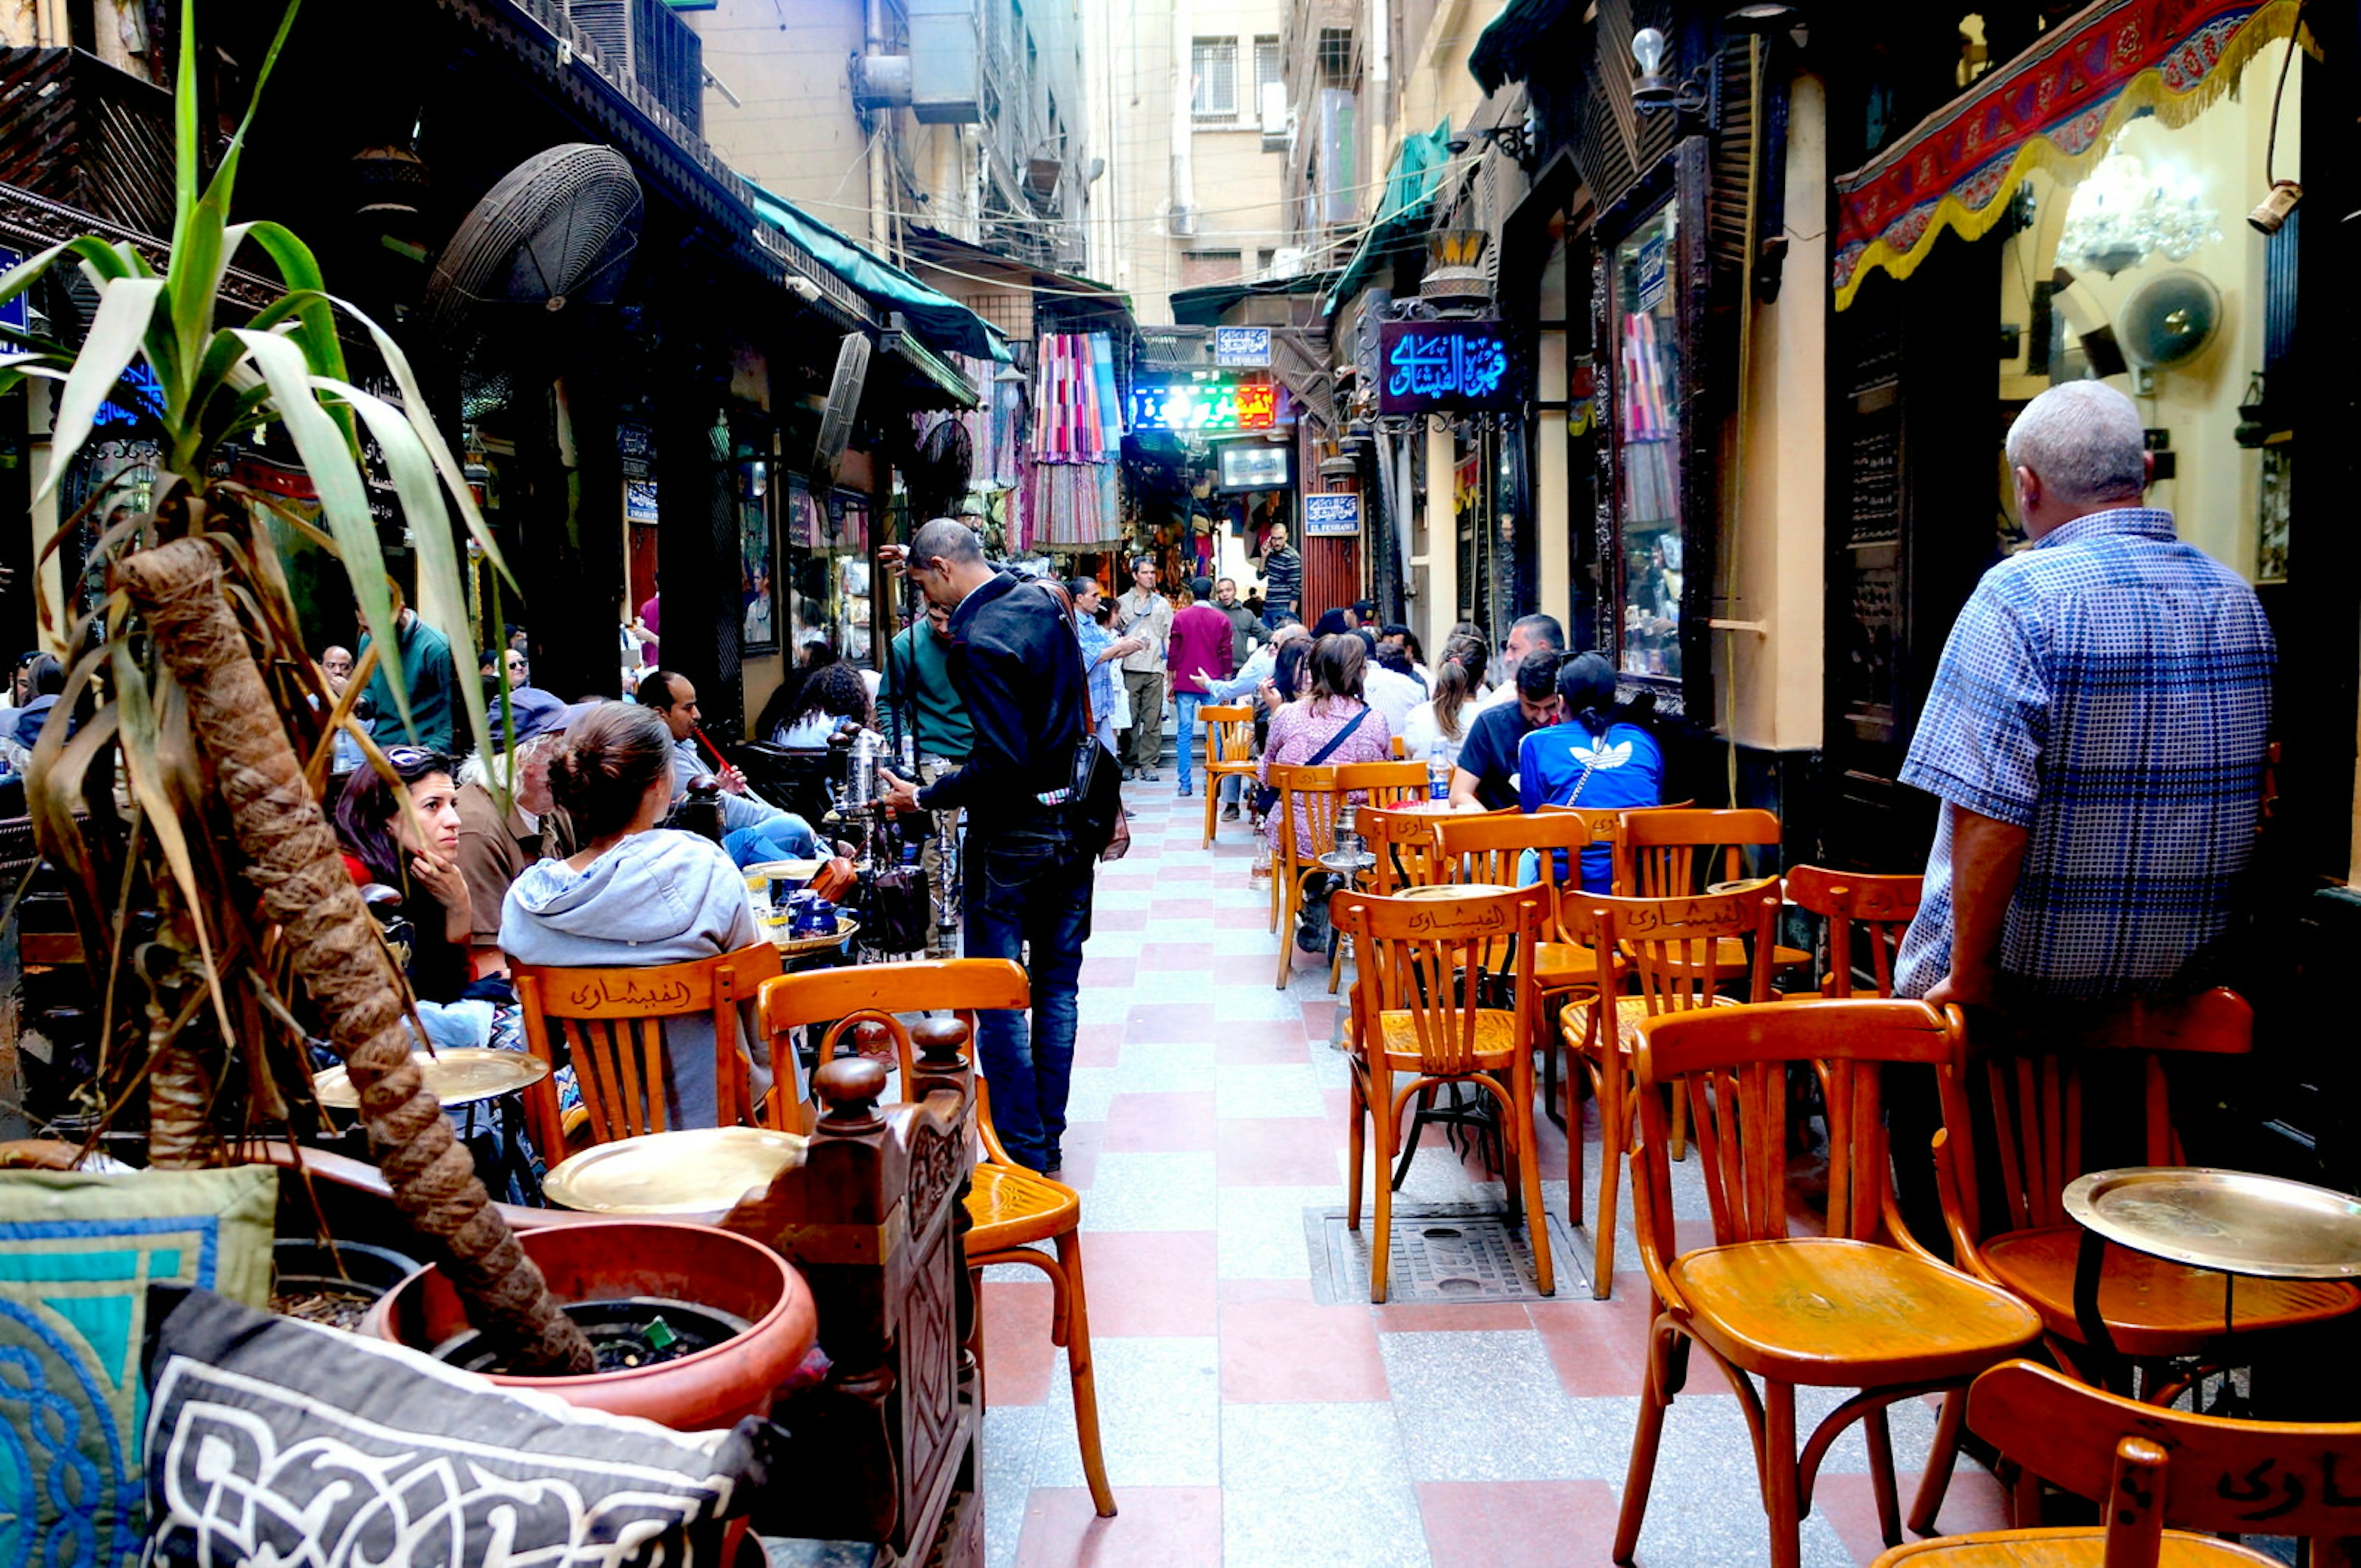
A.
pixel 945 324
pixel 1410 186
pixel 1506 45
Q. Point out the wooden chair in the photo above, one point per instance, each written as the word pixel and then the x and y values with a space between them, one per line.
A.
pixel 1671 853
pixel 1010 1209
pixel 1229 753
pixel 1882 905
pixel 1854 1309
pixel 611 1022
pixel 2154 1308
pixel 1403 842
pixel 1606 823
pixel 1383 784
pixel 2152 1468
pixel 1417 1009
pixel 1660 942
pixel 1308 799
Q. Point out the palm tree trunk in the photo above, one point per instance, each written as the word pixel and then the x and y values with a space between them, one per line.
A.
pixel 293 864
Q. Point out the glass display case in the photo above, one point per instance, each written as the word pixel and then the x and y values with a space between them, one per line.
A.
pixel 1651 547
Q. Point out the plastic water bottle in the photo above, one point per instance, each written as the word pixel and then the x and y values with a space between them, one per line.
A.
pixel 1438 778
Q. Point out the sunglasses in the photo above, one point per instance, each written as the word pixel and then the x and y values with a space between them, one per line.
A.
pixel 415 760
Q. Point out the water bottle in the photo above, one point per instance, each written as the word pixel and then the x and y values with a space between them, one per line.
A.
pixel 1438 777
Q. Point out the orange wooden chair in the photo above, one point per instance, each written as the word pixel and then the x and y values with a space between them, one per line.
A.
pixel 1382 785
pixel 1308 799
pixel 2154 1309
pixel 1882 906
pixel 1670 854
pixel 1607 827
pixel 1417 1009
pixel 1229 753
pixel 1011 1210
pixel 1857 1308
pixel 2158 1473
pixel 1403 842
pixel 612 1023
pixel 1660 943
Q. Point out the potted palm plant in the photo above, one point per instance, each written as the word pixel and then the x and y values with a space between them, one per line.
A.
pixel 184 810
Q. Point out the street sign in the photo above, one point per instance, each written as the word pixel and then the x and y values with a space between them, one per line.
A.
pixel 1204 406
pixel 13 312
pixel 1332 517
pixel 1247 345
pixel 1446 367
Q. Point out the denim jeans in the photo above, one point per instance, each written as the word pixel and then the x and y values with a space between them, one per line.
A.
pixel 786 837
pixel 1184 711
pixel 1027 890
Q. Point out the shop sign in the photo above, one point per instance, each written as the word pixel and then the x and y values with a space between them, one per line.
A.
pixel 1256 465
pixel 1205 406
pixel 1444 368
pixel 640 501
pixel 1332 517
pixel 147 392
pixel 1242 345
pixel 13 312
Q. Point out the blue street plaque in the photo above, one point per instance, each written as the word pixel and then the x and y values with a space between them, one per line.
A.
pixel 13 312
pixel 1242 345
pixel 1332 517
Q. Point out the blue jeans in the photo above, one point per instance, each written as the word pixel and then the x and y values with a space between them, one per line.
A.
pixel 786 837
pixel 1184 714
pixel 1025 890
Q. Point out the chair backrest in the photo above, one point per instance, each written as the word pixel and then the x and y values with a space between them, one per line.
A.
pixel 612 1020
pixel 2220 1477
pixel 1400 748
pixel 866 1000
pixel 1229 734
pixel 1672 852
pixel 1383 783
pixel 1426 957
pixel 1490 849
pixel 1882 905
pixel 1403 842
pixel 1673 946
pixel 1607 827
pixel 1308 803
pixel 2034 1088
pixel 1731 1063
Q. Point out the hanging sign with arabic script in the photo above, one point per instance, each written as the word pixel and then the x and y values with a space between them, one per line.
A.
pixel 1449 366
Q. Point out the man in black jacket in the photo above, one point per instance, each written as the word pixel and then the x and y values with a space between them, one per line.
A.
pixel 1015 665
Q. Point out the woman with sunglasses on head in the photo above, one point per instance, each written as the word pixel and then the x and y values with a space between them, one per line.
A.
pixel 635 894
pixel 415 851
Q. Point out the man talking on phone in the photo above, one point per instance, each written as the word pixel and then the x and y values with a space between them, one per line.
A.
pixel 1016 667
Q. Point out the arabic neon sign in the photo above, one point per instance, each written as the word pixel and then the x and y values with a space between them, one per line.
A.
pixel 1205 405
pixel 1429 366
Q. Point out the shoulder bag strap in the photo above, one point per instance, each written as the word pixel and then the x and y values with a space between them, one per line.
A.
pixel 1338 739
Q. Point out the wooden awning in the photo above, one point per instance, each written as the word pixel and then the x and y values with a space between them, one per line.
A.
pixel 2053 108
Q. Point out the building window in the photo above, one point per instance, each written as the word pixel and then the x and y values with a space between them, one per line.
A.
pixel 1199 268
pixel 1214 70
pixel 1267 73
pixel 1336 56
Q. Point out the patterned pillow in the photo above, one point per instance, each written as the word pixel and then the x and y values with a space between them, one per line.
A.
pixel 77 1255
pixel 275 1440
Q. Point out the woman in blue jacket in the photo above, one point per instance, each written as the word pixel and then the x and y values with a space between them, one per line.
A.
pixel 1589 759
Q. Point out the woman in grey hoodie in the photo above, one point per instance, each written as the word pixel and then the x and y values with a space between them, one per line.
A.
pixel 636 894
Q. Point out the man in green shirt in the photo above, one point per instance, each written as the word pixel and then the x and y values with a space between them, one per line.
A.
pixel 918 697
pixel 431 678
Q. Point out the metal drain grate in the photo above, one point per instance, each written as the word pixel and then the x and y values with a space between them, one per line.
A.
pixel 1442 1251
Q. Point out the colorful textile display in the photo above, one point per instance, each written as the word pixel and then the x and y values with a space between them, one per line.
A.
pixel 1071 487
pixel 2053 108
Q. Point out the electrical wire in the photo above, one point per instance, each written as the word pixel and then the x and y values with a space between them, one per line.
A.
pixel 2278 97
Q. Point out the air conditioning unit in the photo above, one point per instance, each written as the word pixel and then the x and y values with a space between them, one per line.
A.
pixel 643 41
pixel 946 63
pixel 1288 261
pixel 1277 122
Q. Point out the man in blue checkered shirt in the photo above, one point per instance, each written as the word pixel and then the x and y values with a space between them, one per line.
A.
pixel 2096 731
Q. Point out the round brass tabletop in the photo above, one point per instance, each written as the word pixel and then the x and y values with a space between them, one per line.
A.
pixel 697 1170
pixel 1455 890
pixel 457 1076
pixel 2230 1221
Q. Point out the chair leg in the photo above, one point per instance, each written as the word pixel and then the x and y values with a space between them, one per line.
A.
pixel 1335 959
pixel 1213 798
pixel 1525 1147
pixel 1287 916
pixel 1614 1146
pixel 1878 1438
pixel 1382 1118
pixel 1940 1460
pixel 1780 1481
pixel 1645 1438
pixel 1078 1363
pixel 1357 1141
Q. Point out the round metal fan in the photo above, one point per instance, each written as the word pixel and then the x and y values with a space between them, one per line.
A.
pixel 558 229
pixel 2170 320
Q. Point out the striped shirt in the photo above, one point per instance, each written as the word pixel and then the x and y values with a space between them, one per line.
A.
pixel 2109 690
pixel 1283 580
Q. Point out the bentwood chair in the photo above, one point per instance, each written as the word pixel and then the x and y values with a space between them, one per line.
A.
pixel 1418 1008
pixel 1383 784
pixel 1660 943
pixel 2158 1473
pixel 2155 1311
pixel 1308 800
pixel 1011 1210
pixel 610 1023
pixel 1671 853
pixel 1856 1307
pixel 1403 842
pixel 1881 906
pixel 1229 754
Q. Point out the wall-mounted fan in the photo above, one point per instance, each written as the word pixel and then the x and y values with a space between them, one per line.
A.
pixel 2169 321
pixel 843 407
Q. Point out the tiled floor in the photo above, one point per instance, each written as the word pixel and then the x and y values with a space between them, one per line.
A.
pixel 1246 1425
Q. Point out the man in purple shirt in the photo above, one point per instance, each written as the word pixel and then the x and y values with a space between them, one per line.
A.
pixel 1199 641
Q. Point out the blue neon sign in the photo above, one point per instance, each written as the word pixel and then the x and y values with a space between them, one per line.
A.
pixel 1443 367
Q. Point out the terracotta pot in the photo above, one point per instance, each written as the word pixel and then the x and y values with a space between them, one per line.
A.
pixel 716 1387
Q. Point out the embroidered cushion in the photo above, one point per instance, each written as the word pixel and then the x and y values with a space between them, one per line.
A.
pixel 78 1252
pixel 278 1442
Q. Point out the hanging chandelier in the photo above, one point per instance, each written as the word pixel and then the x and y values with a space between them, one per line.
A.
pixel 2124 214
